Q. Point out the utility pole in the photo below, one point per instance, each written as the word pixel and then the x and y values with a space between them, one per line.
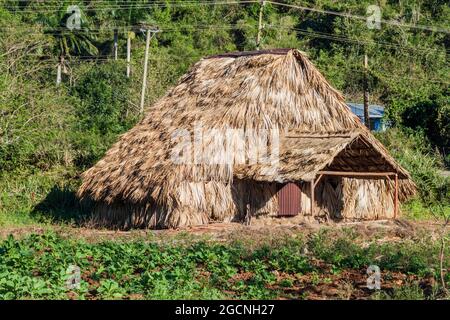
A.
pixel 366 92
pixel 116 43
pixel 130 35
pixel 149 33
pixel 258 37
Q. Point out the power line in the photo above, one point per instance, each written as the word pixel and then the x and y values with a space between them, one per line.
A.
pixel 140 5
pixel 131 2
pixel 207 27
pixel 328 36
pixel 43 9
pixel 128 27
pixel 348 15
pixel 102 58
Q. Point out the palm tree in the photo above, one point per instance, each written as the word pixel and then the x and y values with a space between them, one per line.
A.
pixel 68 43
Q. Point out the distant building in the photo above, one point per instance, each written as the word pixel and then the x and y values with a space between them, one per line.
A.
pixel 376 113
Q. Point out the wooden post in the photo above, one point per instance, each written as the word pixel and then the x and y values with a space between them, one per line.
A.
pixel 366 93
pixel 59 70
pixel 258 37
pixel 248 214
pixel 396 197
pixel 129 54
pixel 144 77
pixel 312 197
pixel 116 43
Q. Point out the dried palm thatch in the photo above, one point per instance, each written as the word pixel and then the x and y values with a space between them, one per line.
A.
pixel 306 125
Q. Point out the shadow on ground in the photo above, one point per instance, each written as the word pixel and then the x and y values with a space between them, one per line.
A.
pixel 62 205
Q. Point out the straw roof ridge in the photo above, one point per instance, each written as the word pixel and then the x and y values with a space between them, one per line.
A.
pixel 236 54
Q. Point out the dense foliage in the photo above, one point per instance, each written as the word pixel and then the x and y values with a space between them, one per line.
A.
pixel 49 133
pixel 38 267
pixel 415 153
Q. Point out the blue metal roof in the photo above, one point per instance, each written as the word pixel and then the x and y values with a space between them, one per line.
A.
pixel 375 111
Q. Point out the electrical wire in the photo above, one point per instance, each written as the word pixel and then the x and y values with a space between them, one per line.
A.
pixel 333 37
pixel 208 27
pixel 43 9
pixel 141 5
pixel 352 16
pixel 204 27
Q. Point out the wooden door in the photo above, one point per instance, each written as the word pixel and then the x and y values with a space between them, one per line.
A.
pixel 289 200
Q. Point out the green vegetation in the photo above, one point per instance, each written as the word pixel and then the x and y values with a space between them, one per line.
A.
pixel 416 154
pixel 36 267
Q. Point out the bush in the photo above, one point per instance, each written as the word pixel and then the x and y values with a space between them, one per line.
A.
pixel 104 93
pixel 415 154
pixel 447 161
pixel 89 147
pixel 34 124
pixel 432 116
pixel 101 113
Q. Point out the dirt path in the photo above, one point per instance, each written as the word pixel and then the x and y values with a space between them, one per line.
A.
pixel 391 230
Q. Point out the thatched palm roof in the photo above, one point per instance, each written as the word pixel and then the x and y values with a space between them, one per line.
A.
pixel 303 155
pixel 279 91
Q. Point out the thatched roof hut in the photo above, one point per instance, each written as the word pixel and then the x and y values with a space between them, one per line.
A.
pixel 236 131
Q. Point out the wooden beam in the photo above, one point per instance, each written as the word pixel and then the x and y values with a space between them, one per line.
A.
pixel 396 197
pixel 318 180
pixel 357 174
pixel 366 92
pixel 368 146
pixel 260 24
pixel 389 180
pixel 129 53
pixel 144 77
pixel 316 136
pixel 312 198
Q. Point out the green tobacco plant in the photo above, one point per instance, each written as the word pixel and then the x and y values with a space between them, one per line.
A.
pixel 36 267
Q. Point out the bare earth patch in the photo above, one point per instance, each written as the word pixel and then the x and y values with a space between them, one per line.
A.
pixel 383 230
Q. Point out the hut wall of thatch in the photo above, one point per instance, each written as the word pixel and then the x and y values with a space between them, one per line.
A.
pixel 367 199
pixel 203 203
pixel 357 198
pixel 341 198
pixel 197 203
pixel 328 196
